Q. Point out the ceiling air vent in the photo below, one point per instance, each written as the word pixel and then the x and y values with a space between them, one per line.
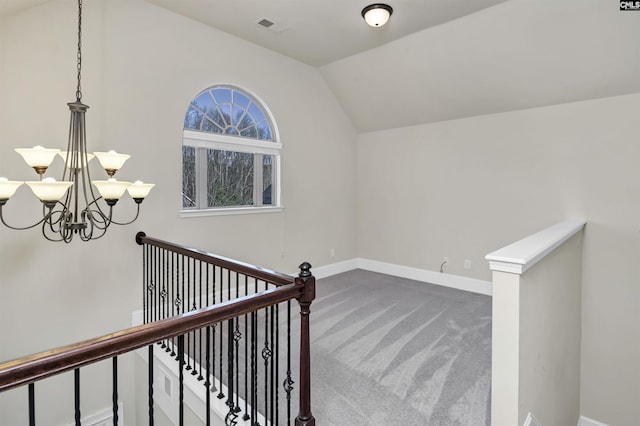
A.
pixel 266 23
pixel 274 27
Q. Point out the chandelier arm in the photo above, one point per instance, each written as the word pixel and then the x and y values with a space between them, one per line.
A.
pixel 20 228
pixel 132 220
pixel 96 216
pixel 47 234
pixel 86 234
pixel 94 223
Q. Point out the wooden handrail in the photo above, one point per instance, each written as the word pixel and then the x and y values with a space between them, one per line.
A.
pixel 49 363
pixel 258 272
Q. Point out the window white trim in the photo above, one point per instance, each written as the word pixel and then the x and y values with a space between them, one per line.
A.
pixel 230 143
pixel 225 211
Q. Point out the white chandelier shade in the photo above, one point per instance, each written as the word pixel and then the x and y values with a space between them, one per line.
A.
pixel 111 161
pixel 48 189
pixel 8 188
pixel 70 161
pixel 38 157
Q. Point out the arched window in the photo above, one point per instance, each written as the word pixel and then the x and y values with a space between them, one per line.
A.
pixel 230 153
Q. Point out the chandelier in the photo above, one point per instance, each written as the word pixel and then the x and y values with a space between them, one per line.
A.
pixel 70 206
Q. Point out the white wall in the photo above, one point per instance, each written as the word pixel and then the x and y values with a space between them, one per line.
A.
pixel 550 297
pixel 536 328
pixel 141 67
pixel 467 187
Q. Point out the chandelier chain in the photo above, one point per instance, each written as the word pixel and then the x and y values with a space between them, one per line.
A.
pixel 79 54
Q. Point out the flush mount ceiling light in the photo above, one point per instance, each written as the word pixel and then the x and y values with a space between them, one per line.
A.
pixel 377 14
pixel 70 206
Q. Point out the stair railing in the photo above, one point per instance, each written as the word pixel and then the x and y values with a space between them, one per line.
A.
pixel 196 328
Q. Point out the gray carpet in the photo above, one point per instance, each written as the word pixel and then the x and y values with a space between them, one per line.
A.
pixel 391 351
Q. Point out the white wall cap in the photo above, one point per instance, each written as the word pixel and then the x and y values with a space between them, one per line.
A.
pixel 517 257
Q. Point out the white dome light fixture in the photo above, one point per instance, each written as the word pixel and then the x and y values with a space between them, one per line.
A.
pixel 377 14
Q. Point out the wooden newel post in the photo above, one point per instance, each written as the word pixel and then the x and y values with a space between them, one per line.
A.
pixel 305 418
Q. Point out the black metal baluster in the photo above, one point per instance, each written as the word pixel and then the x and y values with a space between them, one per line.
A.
pixel 164 294
pixel 202 305
pixel 246 353
pixel 230 418
pixel 179 291
pixel 276 360
pixel 146 277
pixel 221 394
pixel 207 383
pixel 145 285
pixel 213 333
pixel 32 404
pixel 237 335
pixel 266 354
pixel 187 296
pixel 161 295
pixel 115 391
pixel 148 271
pixel 288 381
pixel 213 361
pixel 271 380
pixel 76 388
pixel 195 356
pixel 228 284
pixel 155 274
pixel 254 363
pixel 181 379
pixel 150 385
pixel 171 299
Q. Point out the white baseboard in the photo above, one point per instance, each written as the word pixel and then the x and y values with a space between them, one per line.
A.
pixel 447 280
pixel 424 275
pixel 104 417
pixel 335 268
pixel 586 421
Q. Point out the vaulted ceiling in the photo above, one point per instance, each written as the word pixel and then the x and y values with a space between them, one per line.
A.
pixel 438 59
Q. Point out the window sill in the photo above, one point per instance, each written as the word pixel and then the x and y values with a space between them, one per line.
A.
pixel 226 211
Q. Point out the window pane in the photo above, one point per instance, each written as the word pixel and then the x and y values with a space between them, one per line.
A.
pixel 188 176
pixel 267 180
pixel 250 132
pixel 193 118
pixel 256 113
pixel 222 95
pixel 240 99
pixel 245 122
pixel 264 131
pixel 204 102
pixel 211 127
pixel 229 178
pixel 237 114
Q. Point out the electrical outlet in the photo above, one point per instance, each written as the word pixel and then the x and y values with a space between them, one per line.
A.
pixel 445 260
pixel 332 252
pixel 467 264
